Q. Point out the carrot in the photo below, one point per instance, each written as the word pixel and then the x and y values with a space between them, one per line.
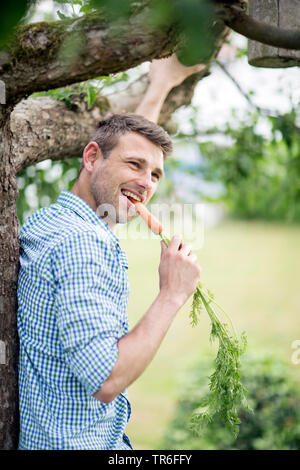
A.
pixel 152 221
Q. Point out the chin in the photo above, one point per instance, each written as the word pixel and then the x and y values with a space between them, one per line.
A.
pixel 125 218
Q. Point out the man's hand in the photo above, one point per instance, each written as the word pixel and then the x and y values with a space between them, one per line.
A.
pixel 164 74
pixel 178 271
pixel 170 72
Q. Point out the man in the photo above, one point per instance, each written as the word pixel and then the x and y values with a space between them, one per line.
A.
pixel 76 355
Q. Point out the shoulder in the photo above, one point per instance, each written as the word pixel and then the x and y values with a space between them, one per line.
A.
pixel 56 226
pixel 85 240
pixel 84 255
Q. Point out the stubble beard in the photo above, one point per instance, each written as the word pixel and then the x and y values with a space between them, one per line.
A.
pixel 108 207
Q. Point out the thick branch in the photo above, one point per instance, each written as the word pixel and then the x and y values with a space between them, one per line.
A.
pixel 263 111
pixel 44 128
pixel 49 55
pixel 261 32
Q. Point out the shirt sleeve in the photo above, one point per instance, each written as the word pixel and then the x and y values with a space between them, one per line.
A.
pixel 85 272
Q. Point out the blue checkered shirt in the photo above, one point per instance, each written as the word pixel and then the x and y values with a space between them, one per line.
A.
pixel 72 309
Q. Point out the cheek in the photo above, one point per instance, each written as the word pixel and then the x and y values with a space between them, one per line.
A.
pixel 126 175
pixel 153 191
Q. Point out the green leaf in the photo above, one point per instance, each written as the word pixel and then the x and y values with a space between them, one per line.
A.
pixel 86 9
pixel 91 96
pixel 61 15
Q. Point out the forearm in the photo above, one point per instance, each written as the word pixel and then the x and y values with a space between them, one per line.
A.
pixel 138 347
pixel 164 75
pixel 153 100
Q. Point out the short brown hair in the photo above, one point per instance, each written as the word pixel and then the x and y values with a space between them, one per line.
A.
pixel 109 130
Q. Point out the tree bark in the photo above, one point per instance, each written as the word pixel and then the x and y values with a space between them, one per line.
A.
pixel 50 55
pixel 9 259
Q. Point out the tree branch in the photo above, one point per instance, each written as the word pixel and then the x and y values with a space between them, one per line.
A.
pixel 264 111
pixel 265 33
pixel 50 55
pixel 53 54
pixel 45 128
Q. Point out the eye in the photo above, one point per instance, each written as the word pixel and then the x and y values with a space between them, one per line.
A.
pixel 156 175
pixel 134 163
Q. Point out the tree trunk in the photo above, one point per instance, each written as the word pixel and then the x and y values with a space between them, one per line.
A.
pixel 9 264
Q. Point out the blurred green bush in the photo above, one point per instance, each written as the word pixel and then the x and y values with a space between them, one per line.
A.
pixel 274 396
pixel 260 173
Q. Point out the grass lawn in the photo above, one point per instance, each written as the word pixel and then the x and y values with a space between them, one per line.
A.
pixel 253 268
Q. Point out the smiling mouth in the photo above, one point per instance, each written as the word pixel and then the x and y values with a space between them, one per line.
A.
pixel 131 196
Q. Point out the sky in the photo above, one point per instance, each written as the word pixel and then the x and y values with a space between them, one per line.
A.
pixel 216 95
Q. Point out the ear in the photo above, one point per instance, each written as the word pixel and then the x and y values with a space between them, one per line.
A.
pixel 91 154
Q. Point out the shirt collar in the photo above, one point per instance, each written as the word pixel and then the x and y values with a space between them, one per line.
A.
pixel 84 210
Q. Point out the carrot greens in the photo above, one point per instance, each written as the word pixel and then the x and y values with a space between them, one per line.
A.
pixel 226 393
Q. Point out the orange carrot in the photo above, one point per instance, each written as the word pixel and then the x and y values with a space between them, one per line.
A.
pixel 152 222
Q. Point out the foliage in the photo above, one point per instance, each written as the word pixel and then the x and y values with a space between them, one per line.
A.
pixel 88 90
pixel 194 19
pixel 273 395
pixel 261 174
pixel 11 17
pixel 226 394
pixel 41 184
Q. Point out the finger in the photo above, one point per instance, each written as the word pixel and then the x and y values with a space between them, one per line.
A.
pixel 176 243
pixel 186 249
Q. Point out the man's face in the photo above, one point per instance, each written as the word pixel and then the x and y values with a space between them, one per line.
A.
pixel 136 165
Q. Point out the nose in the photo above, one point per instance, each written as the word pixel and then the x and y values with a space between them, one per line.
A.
pixel 145 180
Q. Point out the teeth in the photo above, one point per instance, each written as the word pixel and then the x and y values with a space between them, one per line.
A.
pixel 134 196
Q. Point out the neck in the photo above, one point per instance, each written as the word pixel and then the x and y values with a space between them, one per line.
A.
pixel 81 191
